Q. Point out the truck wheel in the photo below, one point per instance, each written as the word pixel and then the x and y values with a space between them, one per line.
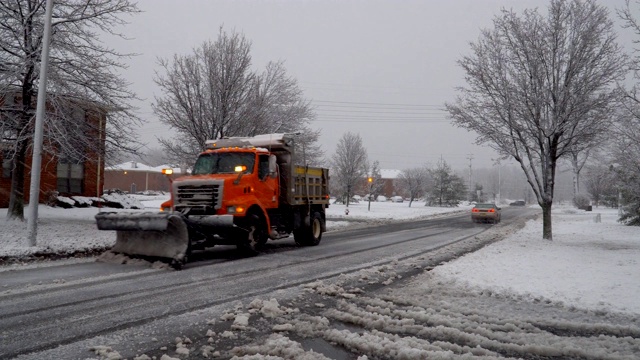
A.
pixel 255 237
pixel 312 234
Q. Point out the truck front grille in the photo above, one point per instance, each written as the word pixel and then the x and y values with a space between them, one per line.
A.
pixel 202 196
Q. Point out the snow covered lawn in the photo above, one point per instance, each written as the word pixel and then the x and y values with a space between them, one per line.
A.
pixel 588 264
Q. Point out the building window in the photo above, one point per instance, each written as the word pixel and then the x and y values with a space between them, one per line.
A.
pixel 70 178
pixel 70 170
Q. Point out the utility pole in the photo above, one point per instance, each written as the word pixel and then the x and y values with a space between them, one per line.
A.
pixel 470 157
pixel 370 180
pixel 36 160
pixel 499 181
pixel 498 195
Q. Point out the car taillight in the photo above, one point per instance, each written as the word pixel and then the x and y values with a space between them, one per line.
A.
pixel 475 210
pixel 491 210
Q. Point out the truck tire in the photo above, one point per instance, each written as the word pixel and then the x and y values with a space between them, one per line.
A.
pixel 312 234
pixel 255 237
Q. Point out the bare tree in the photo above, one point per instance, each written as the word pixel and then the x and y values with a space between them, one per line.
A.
pixel 214 93
pixel 413 182
pixel 627 135
pixel 446 188
pixel 578 159
pixel 81 75
pixel 154 156
pixel 376 186
pixel 626 164
pixel 307 147
pixel 600 183
pixel 349 164
pixel 538 87
pixel 375 182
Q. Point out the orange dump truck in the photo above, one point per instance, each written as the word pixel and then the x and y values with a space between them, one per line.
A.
pixel 241 191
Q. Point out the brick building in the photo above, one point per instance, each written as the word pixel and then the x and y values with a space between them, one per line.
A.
pixel 133 177
pixel 59 173
pixel 389 188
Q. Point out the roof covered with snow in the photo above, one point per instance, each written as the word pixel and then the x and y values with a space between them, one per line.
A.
pixel 390 173
pixel 138 166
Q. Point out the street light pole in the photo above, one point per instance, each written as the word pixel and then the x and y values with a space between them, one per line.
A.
pixel 36 160
pixel 499 183
pixel 370 180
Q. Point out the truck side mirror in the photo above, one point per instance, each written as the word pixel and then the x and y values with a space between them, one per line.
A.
pixel 273 166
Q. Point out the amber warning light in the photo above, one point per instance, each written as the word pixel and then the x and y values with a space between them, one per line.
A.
pixel 167 171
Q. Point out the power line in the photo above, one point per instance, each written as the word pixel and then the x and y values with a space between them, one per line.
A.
pixel 385 121
pixel 381 112
pixel 370 103
pixel 381 107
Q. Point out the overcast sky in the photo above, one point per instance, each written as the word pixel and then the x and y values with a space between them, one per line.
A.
pixel 382 69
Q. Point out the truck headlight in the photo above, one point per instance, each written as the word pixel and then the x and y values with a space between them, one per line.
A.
pixel 235 210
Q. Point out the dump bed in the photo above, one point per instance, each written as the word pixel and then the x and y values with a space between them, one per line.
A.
pixel 310 185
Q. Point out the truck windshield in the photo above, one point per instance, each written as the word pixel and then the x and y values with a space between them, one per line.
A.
pixel 223 163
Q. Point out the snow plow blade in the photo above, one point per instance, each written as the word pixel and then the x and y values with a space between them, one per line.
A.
pixel 162 235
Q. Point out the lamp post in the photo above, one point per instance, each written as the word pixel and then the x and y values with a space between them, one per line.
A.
pixel 499 181
pixel 498 195
pixel 36 162
pixel 370 180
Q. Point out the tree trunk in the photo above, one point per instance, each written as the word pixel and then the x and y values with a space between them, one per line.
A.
pixel 576 166
pixel 16 197
pixel 546 221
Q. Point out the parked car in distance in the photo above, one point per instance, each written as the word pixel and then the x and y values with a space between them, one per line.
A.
pixel 486 213
pixel 517 203
pixel 397 199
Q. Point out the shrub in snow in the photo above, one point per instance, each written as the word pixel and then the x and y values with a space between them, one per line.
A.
pixel 581 201
pixel 117 200
pixel 630 214
pixel 121 201
pixel 83 201
pixel 64 202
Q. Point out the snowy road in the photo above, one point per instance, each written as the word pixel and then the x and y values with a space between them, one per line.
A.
pixel 63 310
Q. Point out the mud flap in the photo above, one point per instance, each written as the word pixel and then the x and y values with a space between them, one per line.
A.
pixel 144 235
